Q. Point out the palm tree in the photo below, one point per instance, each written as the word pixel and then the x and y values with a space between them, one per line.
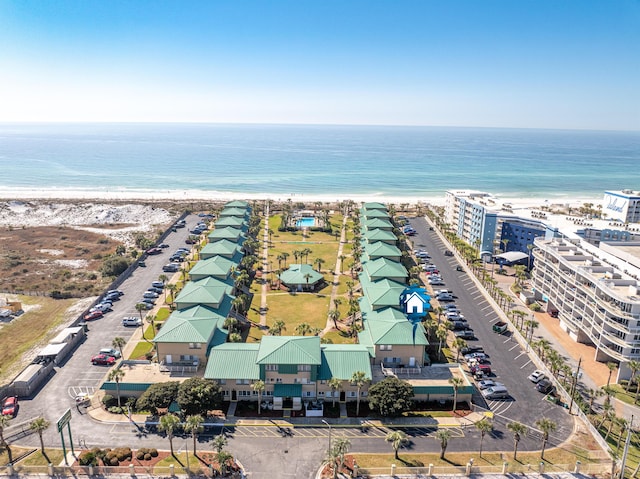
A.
pixel 592 395
pixel 547 426
pixel 441 334
pixel 235 338
pixel 397 440
pixel 219 442
pixel 484 426
pixel 258 386
pixel 443 435
pixel 277 328
pixel 341 258
pixel 39 425
pixel 169 423
pixel 140 308
pixel 303 328
pixel 634 366
pixel 456 383
pixel 284 257
pixel 335 384
pixel 163 278
pixel 116 375
pixel 4 422
pixel 230 323
pixel 334 315
pixel 194 426
pixel 612 366
pixel 319 262
pixel 518 429
pixel 171 287
pixel 119 343
pixel 459 344
pixel 339 449
pixel 359 379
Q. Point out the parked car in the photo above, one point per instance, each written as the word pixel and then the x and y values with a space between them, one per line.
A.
pixel 460 268
pixel 448 253
pixel 110 352
pixel 149 301
pixel 163 245
pixel 477 355
pixel 157 284
pixel 435 281
pixel 104 307
pixel 483 369
pixel 145 305
pixel 131 321
pixel 150 295
pixel 465 334
pixel 93 315
pixel 177 258
pixel 487 383
pixel 10 406
pixel 171 268
pixel 545 386
pixel 115 291
pixel 103 360
pixel 536 376
pixel 181 224
pixel 475 348
pixel 154 251
pixel 445 297
pixel 451 307
pixel 191 240
pixel 158 291
pixel 496 392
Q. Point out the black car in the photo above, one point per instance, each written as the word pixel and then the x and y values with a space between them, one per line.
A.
pixel 472 349
pixel 545 386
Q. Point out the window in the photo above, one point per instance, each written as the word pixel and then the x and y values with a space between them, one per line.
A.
pixel 244 393
pixel 320 393
pixel 363 393
pixel 386 347
pixel 226 393
pixel 307 394
pixel 278 380
pixel 352 394
pixel 222 382
pixel 304 367
pixel 271 367
pixel 195 346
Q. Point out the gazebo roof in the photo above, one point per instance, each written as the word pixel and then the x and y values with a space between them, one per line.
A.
pixel 296 274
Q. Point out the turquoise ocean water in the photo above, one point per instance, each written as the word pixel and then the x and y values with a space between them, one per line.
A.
pixel 317 160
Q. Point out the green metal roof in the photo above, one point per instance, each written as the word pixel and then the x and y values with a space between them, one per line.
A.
pixel 234 221
pixel 378 223
pixel 224 247
pixel 379 249
pixel 218 266
pixel 234 211
pixel 195 293
pixel 383 314
pixel 197 324
pixel 342 360
pixel 289 350
pixel 296 273
pixel 218 282
pixel 383 293
pixel 373 205
pixel 111 386
pixel 368 214
pixel 377 234
pixel 398 332
pixel 384 268
pixel 232 234
pixel 233 361
pixel 287 390
pixel 237 204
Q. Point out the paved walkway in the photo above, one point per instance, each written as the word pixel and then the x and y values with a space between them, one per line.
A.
pixel 336 274
pixel 265 268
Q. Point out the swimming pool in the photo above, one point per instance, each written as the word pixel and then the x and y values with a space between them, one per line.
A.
pixel 306 222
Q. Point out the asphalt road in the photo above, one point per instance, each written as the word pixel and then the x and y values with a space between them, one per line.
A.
pixel 262 449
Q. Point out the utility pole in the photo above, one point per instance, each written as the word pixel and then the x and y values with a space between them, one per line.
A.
pixel 574 382
pixel 626 448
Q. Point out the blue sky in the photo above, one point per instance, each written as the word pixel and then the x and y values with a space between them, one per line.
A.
pixel 505 63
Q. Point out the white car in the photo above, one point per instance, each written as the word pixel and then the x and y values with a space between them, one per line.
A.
pixel 435 281
pixel 487 383
pixel 131 321
pixel 536 376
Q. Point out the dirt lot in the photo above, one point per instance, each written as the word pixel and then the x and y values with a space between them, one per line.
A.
pixel 48 258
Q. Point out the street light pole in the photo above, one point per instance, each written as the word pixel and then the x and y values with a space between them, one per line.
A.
pixel 329 433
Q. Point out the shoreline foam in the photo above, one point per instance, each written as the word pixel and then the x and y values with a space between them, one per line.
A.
pixel 137 195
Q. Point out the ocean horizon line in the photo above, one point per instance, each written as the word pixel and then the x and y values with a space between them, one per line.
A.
pixel 319 125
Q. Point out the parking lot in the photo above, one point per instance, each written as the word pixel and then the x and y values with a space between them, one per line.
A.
pixel 510 364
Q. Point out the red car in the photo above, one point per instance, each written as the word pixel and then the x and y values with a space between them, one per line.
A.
pixel 154 251
pixel 10 406
pixel 103 360
pixel 97 314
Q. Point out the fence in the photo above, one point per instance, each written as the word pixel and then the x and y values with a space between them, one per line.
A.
pixel 102 471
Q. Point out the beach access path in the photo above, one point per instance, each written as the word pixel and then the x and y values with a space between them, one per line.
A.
pixel 337 271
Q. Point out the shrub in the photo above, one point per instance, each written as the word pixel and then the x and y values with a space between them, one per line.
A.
pixel 123 453
pixel 154 452
pixel 115 410
pixel 147 457
pixel 108 401
pixel 535 307
pixel 88 458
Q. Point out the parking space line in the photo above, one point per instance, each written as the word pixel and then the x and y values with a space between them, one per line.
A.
pixel 514 347
pixel 486 307
pixel 526 364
